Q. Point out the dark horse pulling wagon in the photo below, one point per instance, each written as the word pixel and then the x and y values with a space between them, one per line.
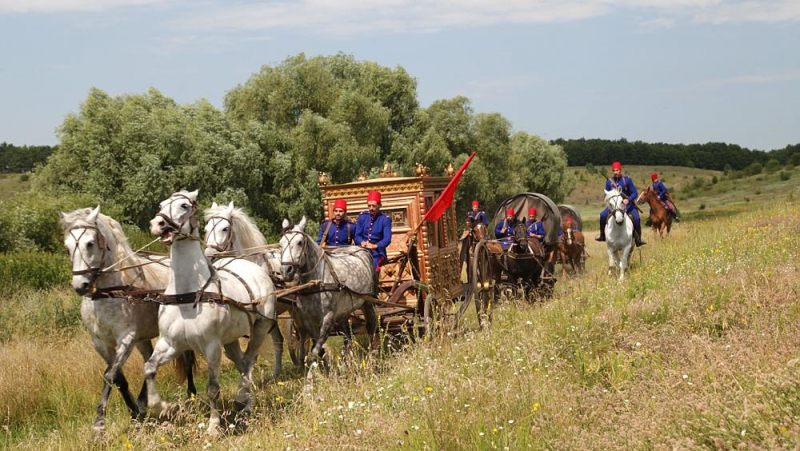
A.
pixel 526 265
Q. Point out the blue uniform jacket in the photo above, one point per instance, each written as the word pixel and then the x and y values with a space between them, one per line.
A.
pixel 628 189
pixel 535 228
pixel 507 237
pixel 338 235
pixel 377 230
pixel 661 190
pixel 479 216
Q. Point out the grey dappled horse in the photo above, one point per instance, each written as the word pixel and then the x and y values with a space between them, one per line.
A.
pixel 103 264
pixel 619 234
pixel 347 281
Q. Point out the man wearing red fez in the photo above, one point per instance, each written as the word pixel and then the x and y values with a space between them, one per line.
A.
pixel 476 215
pixel 568 223
pixel 374 229
pixel 664 197
pixel 338 231
pixel 504 230
pixel 535 228
pixel 625 185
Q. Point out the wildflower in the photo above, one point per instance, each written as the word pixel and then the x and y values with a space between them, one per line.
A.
pixel 350 405
pixel 280 384
pixel 510 421
pixel 163 439
pixel 535 407
pixel 278 399
pixel 428 389
pixel 415 399
pixel 685 376
pixel 481 434
pixel 201 426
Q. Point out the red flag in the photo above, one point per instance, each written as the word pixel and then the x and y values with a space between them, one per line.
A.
pixel 446 198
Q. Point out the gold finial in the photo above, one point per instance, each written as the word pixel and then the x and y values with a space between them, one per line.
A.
pixel 323 179
pixel 361 176
pixel 450 170
pixel 421 170
pixel 387 171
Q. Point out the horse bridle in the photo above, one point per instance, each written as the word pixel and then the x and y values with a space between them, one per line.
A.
pixel 295 264
pixel 94 272
pixel 174 226
pixel 228 241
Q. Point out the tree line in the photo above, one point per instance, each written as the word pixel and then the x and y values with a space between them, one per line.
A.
pixel 715 156
pixel 22 158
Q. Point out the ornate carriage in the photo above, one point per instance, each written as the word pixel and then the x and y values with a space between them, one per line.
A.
pixel 423 256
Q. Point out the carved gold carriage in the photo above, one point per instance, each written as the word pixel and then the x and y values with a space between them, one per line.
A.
pixel 423 256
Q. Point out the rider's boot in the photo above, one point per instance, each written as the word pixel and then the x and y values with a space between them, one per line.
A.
pixel 602 236
pixel 637 235
pixel 676 217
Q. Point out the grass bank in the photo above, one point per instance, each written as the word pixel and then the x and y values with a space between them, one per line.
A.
pixel 699 348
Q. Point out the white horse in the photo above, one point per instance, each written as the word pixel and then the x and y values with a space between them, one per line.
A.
pixel 207 307
pixel 619 233
pixel 103 264
pixel 231 232
pixel 346 274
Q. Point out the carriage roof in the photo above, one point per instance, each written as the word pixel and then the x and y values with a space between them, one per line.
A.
pixel 568 211
pixel 546 210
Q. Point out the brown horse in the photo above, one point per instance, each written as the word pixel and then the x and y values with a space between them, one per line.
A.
pixel 571 249
pixel 660 219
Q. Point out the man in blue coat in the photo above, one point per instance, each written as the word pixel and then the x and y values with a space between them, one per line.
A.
pixel 534 226
pixel 476 215
pixel 625 185
pixel 338 231
pixel 504 230
pixel 374 229
pixel 663 195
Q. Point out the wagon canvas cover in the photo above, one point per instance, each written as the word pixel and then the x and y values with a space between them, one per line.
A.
pixel 568 211
pixel 546 210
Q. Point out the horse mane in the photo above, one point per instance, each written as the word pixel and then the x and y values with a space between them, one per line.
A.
pixel 155 275
pixel 611 193
pixel 244 228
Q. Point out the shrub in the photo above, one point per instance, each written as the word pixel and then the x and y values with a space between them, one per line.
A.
pixel 747 199
pixel 758 191
pixel 24 177
pixel 754 169
pixel 772 166
pixel 702 207
pixel 37 270
pixel 714 180
pixel 785 175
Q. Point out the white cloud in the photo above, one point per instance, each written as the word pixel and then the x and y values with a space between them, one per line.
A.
pixel 661 23
pixel 752 11
pixel 50 6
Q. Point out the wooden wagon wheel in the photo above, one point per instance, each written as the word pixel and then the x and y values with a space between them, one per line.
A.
pixel 293 343
pixel 483 286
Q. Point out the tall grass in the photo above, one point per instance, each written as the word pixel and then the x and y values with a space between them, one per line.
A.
pixel 698 348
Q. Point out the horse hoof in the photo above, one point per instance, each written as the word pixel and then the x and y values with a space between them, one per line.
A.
pixel 99 430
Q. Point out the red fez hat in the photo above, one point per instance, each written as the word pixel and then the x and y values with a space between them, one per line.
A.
pixel 510 212
pixel 475 203
pixel 616 165
pixel 531 212
pixel 569 218
pixel 374 196
pixel 654 176
pixel 340 203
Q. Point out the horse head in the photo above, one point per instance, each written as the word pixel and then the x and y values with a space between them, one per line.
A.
pixel 521 236
pixel 176 218
pixel 569 237
pixel 644 195
pixel 219 229
pixel 294 250
pixel 479 231
pixel 91 247
pixel 615 204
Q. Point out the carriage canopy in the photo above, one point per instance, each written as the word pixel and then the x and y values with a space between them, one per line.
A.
pixel 568 211
pixel 546 210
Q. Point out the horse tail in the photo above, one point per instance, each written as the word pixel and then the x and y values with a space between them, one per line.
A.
pixel 184 366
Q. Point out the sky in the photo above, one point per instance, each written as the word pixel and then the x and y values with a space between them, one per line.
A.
pixel 673 71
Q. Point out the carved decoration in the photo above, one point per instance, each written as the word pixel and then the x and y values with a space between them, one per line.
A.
pixel 421 170
pixel 450 170
pixel 323 179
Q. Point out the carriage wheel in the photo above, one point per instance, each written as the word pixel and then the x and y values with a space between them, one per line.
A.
pixel 293 343
pixel 483 283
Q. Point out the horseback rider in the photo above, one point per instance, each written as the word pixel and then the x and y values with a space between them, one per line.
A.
pixel 339 230
pixel 664 196
pixel 504 230
pixel 535 228
pixel 374 229
pixel 629 193
pixel 476 215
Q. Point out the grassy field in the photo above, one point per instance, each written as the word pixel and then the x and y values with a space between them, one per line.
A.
pixel 13 183
pixel 699 348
